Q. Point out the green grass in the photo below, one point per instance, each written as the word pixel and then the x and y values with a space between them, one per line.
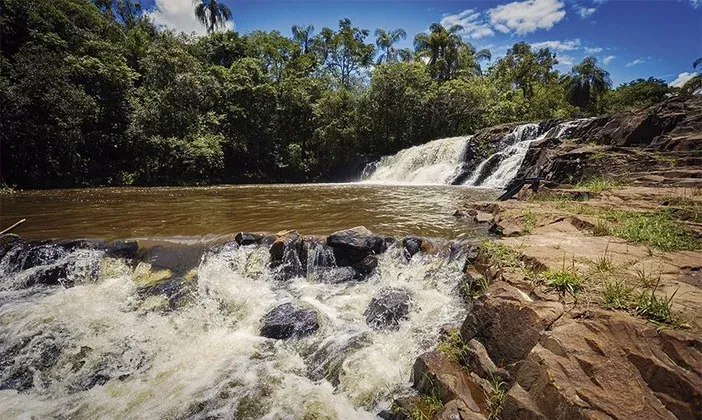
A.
pixel 605 264
pixel 565 280
pixel 502 254
pixel 598 184
pixel 453 347
pixel 616 295
pixel 498 392
pixel 656 229
pixel 683 208
pixel 529 221
pixel 658 309
pixel 427 409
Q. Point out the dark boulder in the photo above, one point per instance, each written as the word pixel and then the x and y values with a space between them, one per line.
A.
pixel 248 238
pixel 286 321
pixel 387 309
pixel 127 249
pixel 358 238
pixel 411 245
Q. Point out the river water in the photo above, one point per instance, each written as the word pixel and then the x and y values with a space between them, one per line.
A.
pixel 168 336
pixel 111 213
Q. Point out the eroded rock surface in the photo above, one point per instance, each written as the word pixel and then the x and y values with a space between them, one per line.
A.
pixel 286 321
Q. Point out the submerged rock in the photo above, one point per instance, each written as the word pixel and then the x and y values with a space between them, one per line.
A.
pixel 411 245
pixel 285 255
pixel 386 310
pixel 326 361
pixel 286 321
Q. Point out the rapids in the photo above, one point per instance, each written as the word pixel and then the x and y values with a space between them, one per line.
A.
pixel 122 338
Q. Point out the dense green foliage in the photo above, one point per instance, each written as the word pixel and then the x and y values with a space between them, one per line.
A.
pixel 93 94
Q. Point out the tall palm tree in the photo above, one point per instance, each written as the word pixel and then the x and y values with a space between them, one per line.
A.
pixel 586 83
pixel 695 84
pixel 385 41
pixel 303 37
pixel 212 14
pixel 446 52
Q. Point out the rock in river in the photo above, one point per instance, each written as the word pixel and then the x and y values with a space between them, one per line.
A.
pixel 287 321
pixel 387 309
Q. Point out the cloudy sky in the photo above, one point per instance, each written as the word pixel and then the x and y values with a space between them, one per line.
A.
pixel 630 38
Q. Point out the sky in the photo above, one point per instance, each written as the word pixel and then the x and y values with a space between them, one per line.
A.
pixel 630 38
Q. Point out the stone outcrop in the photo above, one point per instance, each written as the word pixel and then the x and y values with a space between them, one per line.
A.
pixel 641 145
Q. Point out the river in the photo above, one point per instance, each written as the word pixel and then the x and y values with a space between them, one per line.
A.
pixel 131 212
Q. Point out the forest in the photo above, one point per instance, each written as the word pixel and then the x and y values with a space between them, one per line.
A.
pixel 94 94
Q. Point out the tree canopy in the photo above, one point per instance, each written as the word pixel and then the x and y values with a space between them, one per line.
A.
pixel 93 93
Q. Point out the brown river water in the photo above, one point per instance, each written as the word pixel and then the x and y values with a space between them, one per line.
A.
pixel 111 213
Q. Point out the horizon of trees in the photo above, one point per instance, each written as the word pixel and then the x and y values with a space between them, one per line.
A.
pixel 94 94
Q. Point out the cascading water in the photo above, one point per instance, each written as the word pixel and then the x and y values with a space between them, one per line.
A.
pixel 436 162
pixel 87 334
pixel 510 159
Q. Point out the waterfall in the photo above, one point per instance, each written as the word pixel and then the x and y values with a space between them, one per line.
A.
pixel 436 162
pixel 510 159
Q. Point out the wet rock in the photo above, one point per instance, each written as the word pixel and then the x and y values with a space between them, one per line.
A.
pixel 7 242
pixel 335 275
pixel 436 374
pixel 508 322
pixel 248 238
pixel 366 266
pixel 127 249
pixel 351 246
pixel 609 366
pixel 285 255
pixel 286 321
pixel 326 362
pixel 411 245
pixel 387 309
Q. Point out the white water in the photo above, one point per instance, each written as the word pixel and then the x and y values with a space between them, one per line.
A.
pixel 206 358
pixel 512 157
pixel 436 162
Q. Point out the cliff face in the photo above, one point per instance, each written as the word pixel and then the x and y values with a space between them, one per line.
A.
pixel 660 145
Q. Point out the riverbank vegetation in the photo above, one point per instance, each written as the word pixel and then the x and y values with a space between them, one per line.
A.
pixel 94 94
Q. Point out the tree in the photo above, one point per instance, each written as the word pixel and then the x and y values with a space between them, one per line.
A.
pixel 586 83
pixel 695 84
pixel 640 93
pixel 385 41
pixel 446 53
pixel 303 37
pixel 344 52
pixel 212 14
pixel 523 68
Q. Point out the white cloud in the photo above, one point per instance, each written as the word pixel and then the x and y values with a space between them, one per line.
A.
pixel 179 15
pixel 696 3
pixel 526 16
pixel 635 62
pixel 594 50
pixel 565 60
pixel 568 45
pixel 608 59
pixel 682 79
pixel 585 12
pixel 469 19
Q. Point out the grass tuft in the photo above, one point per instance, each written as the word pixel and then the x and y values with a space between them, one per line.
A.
pixel 529 221
pixel 605 264
pixel 498 392
pixel 565 280
pixel 598 184
pixel 617 295
pixel 658 309
pixel 502 254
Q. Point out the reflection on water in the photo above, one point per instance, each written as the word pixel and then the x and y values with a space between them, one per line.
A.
pixel 193 211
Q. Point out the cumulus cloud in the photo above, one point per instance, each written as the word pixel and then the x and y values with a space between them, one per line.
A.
pixel 523 17
pixel 695 4
pixel 585 12
pixel 180 16
pixel 568 45
pixel 469 19
pixel 594 50
pixel 608 59
pixel 635 62
pixel 682 79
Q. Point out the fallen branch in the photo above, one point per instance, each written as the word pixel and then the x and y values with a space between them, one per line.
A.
pixel 12 227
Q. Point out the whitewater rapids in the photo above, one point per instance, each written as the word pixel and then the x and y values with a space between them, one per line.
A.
pixel 104 348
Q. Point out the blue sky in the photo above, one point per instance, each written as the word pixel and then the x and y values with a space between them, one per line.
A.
pixel 630 38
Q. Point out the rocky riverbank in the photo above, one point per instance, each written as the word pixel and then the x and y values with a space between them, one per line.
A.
pixel 587 307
